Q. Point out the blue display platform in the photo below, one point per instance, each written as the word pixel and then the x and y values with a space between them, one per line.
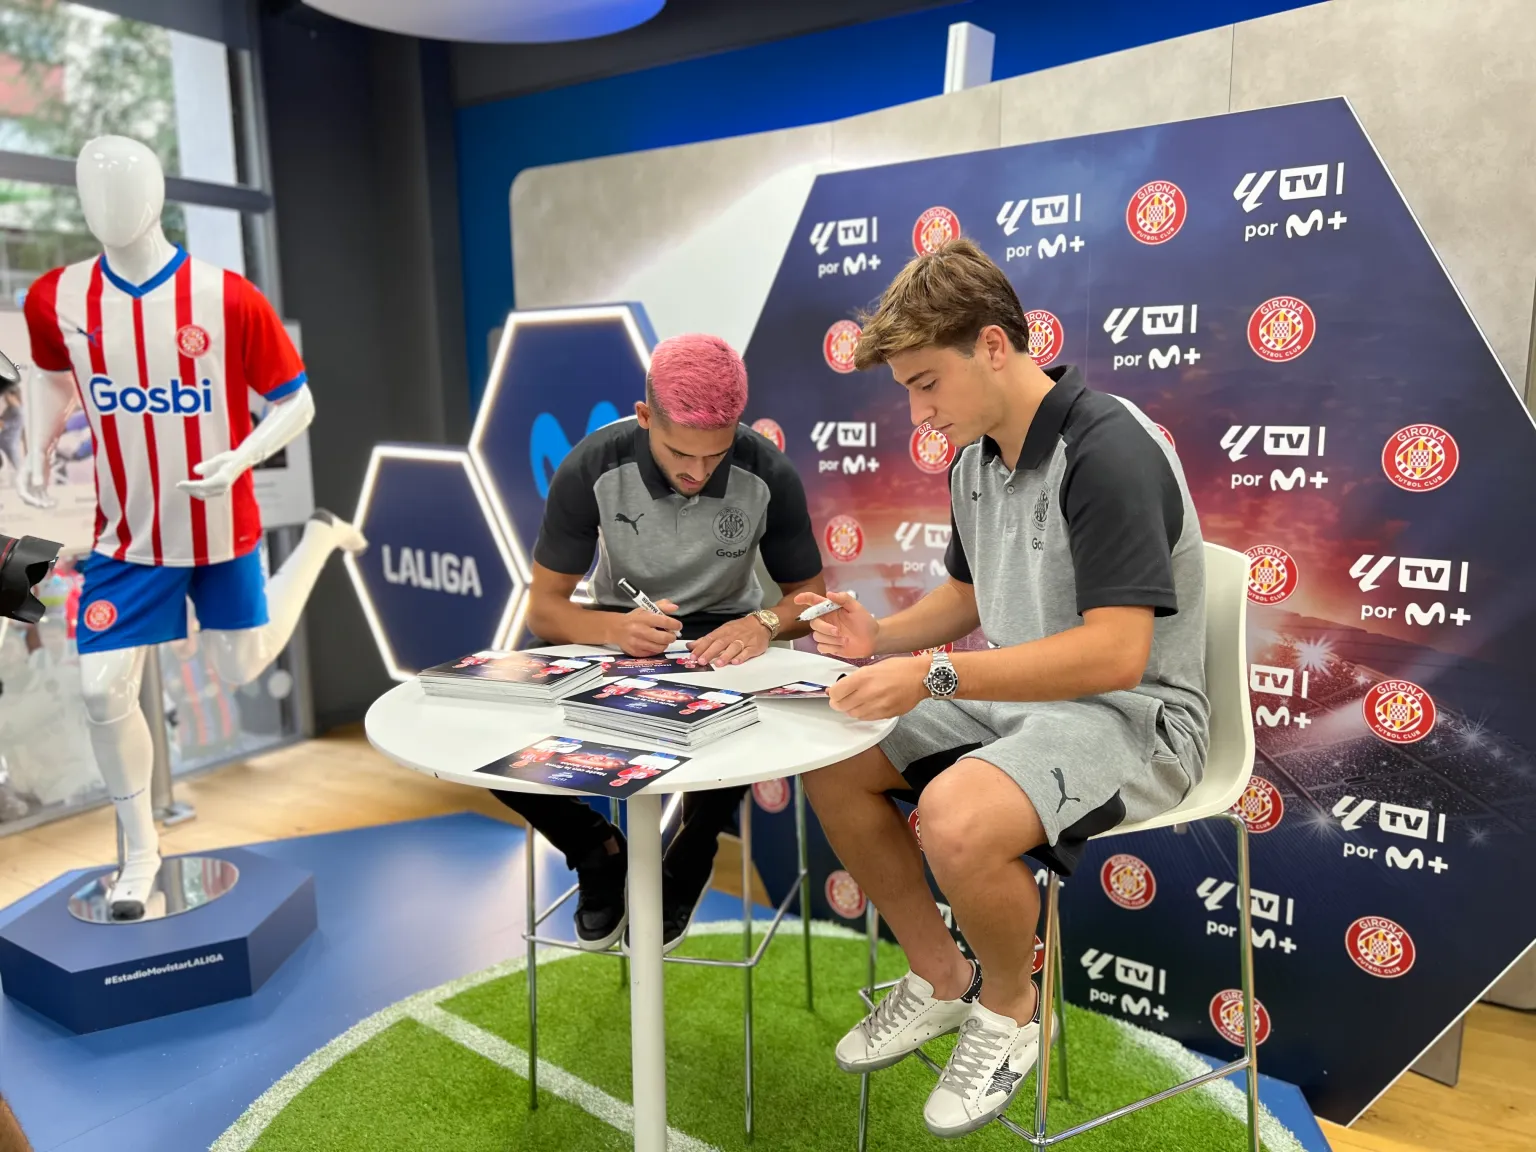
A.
pixel 402 907
pixel 93 976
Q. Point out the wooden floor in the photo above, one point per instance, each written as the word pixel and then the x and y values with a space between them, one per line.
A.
pixel 339 782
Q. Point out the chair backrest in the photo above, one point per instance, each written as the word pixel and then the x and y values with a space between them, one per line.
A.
pixel 1229 756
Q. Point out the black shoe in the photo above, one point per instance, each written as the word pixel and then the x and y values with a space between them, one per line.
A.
pixel 679 904
pixel 601 914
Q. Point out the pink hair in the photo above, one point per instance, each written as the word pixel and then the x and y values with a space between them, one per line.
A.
pixel 697 381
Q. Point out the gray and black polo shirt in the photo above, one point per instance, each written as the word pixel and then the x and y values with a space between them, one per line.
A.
pixel 1096 515
pixel 700 552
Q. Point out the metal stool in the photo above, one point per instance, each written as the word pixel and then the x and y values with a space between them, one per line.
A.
pixel 1229 764
pixel 750 957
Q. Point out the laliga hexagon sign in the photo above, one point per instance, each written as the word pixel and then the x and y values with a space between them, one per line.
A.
pixel 438 579
pixel 559 374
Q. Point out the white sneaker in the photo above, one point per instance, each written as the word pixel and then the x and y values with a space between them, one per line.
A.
pixel 346 535
pixel 990 1060
pixel 135 882
pixel 903 1022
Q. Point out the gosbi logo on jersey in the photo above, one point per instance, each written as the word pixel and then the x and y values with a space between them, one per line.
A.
pixel 1046 336
pixel 844 896
pixel 1281 329
pixel 175 399
pixel 1167 435
pixel 1420 457
pixel 844 538
pixel 934 228
pixel 1156 212
pixel 770 431
pixel 1380 946
pixel 1272 574
pixel 1128 881
pixel 1227 1018
pixel 838 344
pixel 1399 711
pixel 99 615
pixel 771 795
pixel 930 449
pixel 192 339
pixel 1261 806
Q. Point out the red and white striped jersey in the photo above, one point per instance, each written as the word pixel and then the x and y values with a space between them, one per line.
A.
pixel 163 369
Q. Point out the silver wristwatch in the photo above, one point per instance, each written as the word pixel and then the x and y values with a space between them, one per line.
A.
pixel 942 681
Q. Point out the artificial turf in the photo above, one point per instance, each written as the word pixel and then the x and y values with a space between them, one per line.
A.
pixel 410 1087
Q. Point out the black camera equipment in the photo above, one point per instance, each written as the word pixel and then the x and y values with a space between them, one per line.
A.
pixel 24 562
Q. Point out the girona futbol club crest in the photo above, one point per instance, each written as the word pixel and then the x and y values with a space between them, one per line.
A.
pixel 844 896
pixel 1380 946
pixel 1281 329
pixel 931 450
pixel 844 538
pixel 1399 711
pixel 770 431
pixel 1261 806
pixel 934 228
pixel 945 648
pixel 1046 336
pixel 192 339
pixel 916 827
pixel 1157 212
pixel 1272 574
pixel 1167 435
pixel 99 615
pixel 838 345
pixel 771 795
pixel 1227 1018
pixel 1039 962
pixel 1128 881
pixel 1420 457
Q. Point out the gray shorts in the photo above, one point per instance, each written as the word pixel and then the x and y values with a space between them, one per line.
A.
pixel 1086 765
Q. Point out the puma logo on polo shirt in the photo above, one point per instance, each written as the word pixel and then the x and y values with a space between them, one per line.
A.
pixel 620 518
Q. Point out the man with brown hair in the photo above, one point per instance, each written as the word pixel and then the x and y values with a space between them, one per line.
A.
pixel 1075 547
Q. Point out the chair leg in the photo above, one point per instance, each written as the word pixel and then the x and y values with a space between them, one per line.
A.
pixel 529 835
pixel 746 944
pixel 1053 956
pixel 615 807
pixel 803 853
pixel 1047 1000
pixel 1245 941
pixel 872 931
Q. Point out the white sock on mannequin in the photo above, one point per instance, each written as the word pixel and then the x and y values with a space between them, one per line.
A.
pixel 125 758
pixel 239 657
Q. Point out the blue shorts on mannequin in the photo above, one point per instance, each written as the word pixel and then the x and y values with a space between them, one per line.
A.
pixel 127 605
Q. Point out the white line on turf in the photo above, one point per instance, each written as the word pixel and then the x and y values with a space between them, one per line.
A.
pixel 552 1079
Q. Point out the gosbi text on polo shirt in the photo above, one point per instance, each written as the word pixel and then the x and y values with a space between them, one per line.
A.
pixel 1096 514
pixel 700 551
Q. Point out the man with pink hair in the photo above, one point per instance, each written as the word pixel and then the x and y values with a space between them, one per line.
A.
pixel 678 501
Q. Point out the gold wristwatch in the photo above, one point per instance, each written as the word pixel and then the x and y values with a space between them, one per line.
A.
pixel 769 619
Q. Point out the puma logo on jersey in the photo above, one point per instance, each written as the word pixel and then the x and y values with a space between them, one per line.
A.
pixel 1061 782
pixel 620 518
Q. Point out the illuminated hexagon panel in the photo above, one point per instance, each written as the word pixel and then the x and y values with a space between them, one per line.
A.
pixel 559 373
pixel 439 578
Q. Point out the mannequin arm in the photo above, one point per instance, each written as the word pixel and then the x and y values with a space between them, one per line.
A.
pixel 45 397
pixel 286 419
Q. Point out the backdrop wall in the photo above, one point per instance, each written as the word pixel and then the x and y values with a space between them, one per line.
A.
pixel 803 80
pixel 1443 87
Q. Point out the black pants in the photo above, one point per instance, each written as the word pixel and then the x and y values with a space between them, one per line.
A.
pixel 577 830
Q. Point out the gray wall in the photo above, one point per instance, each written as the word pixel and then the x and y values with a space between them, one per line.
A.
pixel 1445 88
pixel 361 138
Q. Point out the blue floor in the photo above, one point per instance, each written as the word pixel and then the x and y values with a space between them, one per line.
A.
pixel 402 907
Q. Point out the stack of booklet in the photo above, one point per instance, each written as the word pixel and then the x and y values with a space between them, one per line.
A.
pixel 685 715
pixel 531 677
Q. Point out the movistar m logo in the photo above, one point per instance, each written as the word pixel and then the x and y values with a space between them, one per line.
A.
pixel 548 443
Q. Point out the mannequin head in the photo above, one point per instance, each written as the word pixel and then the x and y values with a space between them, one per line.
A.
pixel 122 189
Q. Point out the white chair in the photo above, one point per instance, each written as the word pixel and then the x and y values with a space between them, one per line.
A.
pixel 1228 766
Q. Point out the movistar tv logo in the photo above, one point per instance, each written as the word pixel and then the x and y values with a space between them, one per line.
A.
pixel 109 396
pixel 548 444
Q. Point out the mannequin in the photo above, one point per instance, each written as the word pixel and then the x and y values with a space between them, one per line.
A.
pixel 160 349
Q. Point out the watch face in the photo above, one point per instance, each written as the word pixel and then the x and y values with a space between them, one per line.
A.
pixel 942 681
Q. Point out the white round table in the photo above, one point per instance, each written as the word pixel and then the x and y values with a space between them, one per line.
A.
pixel 453 739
